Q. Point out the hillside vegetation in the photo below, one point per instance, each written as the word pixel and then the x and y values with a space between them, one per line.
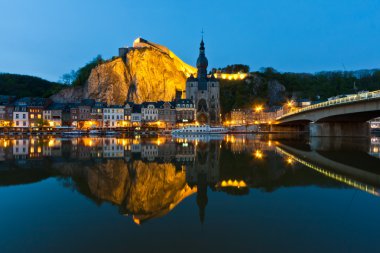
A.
pixel 27 86
pixel 273 88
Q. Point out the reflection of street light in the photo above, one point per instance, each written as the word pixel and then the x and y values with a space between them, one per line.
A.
pixel 290 160
pixel 258 154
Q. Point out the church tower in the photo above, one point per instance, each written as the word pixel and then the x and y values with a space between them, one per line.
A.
pixel 204 91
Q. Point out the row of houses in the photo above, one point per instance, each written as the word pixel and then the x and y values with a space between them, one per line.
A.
pixel 89 148
pixel 88 113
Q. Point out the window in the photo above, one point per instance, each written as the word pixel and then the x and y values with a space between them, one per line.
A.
pixel 16 123
pixel 17 116
pixel 32 116
pixel 24 123
pixel 24 116
pixel 39 116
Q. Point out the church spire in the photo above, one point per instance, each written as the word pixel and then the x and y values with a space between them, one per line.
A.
pixel 202 62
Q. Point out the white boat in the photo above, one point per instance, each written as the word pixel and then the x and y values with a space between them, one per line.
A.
pixel 74 133
pixel 110 133
pixel 95 132
pixel 204 129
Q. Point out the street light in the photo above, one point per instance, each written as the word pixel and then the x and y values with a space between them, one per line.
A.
pixel 258 108
pixel 290 103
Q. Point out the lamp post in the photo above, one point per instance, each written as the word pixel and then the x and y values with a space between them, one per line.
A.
pixel 290 105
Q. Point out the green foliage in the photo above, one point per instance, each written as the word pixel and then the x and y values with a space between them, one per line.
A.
pixel 79 77
pixel 319 86
pixel 235 94
pixel 27 86
pixel 323 85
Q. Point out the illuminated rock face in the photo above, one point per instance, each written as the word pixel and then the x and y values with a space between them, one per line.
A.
pixel 150 72
pixel 144 190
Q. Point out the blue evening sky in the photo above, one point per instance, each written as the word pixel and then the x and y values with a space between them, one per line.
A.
pixel 47 38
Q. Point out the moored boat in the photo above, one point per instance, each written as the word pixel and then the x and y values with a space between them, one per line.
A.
pixel 73 133
pixel 95 132
pixel 111 133
pixel 204 129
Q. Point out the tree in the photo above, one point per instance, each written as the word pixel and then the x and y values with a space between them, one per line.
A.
pixel 79 77
pixel 68 78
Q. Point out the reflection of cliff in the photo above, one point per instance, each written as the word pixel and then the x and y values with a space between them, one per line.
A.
pixel 155 190
pixel 144 190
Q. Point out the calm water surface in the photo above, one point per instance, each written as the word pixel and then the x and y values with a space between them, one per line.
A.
pixel 194 194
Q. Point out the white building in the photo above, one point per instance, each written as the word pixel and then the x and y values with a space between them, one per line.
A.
pixel 149 112
pixel 21 116
pixel 113 116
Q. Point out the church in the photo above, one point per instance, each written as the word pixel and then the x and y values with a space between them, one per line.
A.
pixel 204 92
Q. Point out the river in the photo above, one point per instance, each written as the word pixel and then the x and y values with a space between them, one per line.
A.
pixel 228 193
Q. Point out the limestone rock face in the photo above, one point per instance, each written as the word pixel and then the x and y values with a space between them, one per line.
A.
pixel 148 72
pixel 72 94
pixel 109 82
pixel 276 92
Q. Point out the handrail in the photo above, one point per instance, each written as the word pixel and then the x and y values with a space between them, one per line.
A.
pixel 358 97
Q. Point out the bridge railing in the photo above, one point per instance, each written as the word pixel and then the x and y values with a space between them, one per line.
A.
pixel 350 99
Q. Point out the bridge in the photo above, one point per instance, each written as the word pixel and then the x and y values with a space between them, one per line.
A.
pixel 327 157
pixel 347 116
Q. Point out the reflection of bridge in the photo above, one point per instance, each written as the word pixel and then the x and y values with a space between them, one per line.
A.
pixel 340 117
pixel 323 162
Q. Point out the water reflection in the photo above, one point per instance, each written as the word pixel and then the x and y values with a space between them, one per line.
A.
pixel 147 178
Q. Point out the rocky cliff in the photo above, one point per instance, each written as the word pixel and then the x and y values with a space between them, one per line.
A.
pixel 147 72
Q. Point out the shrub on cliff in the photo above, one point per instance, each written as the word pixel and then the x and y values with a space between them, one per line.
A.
pixel 79 77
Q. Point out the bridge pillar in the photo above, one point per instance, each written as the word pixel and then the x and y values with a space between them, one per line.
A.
pixel 341 129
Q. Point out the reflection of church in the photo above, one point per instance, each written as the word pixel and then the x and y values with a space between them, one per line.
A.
pixel 204 172
pixel 204 92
